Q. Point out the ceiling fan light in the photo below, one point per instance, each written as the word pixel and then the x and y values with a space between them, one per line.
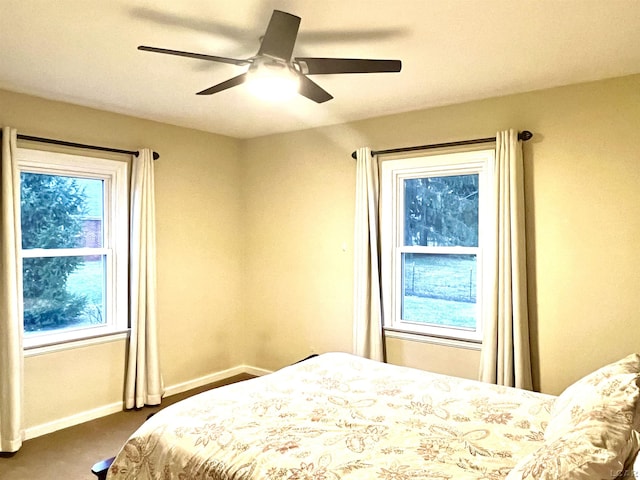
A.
pixel 272 81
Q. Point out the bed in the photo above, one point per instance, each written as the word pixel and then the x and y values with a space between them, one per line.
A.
pixel 339 416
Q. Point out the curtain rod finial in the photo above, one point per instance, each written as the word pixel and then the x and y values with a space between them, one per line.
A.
pixel 525 135
pixel 156 155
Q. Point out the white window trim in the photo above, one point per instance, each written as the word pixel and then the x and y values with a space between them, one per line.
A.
pixel 116 234
pixel 393 173
pixel 391 332
pixel 83 342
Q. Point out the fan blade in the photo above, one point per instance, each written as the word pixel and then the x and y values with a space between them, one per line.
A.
pixel 318 66
pixel 232 82
pixel 200 56
pixel 280 36
pixel 313 91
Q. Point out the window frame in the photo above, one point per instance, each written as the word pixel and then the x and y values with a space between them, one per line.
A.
pixel 394 171
pixel 115 245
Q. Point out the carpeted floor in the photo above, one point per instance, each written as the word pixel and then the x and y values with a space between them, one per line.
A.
pixel 70 453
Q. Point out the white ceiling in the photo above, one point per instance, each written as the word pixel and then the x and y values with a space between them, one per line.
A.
pixel 84 52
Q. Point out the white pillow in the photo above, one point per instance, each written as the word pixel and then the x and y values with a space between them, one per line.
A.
pixel 607 397
pixel 571 457
pixel 591 430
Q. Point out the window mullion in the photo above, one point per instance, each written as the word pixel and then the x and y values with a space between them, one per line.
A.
pixel 437 250
pixel 64 252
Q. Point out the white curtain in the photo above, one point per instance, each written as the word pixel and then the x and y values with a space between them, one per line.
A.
pixel 11 358
pixel 143 380
pixel 505 357
pixel 367 327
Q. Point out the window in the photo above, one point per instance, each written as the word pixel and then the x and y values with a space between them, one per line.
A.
pixel 74 218
pixel 436 228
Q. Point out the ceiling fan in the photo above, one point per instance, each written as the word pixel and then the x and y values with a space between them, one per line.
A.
pixel 274 62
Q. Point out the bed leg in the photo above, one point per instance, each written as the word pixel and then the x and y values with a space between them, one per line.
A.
pixel 100 469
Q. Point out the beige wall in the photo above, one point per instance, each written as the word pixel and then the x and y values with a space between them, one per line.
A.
pixel 583 210
pixel 198 246
pixel 255 238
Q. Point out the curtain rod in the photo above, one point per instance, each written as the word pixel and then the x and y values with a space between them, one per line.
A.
pixel 30 138
pixel 524 136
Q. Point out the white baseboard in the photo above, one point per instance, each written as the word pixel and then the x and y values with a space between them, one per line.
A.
pixel 255 371
pixel 214 377
pixel 70 421
pixel 116 407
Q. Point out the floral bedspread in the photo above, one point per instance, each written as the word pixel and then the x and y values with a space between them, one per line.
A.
pixel 338 416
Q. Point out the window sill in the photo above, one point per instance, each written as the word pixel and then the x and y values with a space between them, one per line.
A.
pixel 71 344
pixel 418 337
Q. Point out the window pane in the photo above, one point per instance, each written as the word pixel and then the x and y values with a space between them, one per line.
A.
pixel 439 289
pixel 63 292
pixel 93 218
pixel 61 212
pixel 441 211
